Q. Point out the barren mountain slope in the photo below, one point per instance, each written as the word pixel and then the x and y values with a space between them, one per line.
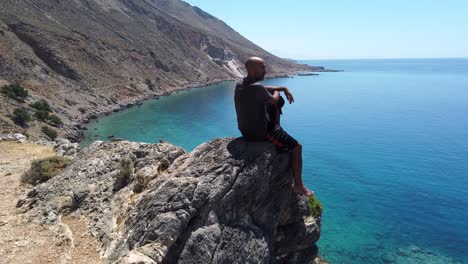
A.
pixel 88 55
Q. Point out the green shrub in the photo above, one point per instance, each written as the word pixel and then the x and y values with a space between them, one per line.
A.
pixel 163 165
pixel 55 120
pixel 82 110
pixel 21 117
pixel 15 92
pixel 52 134
pixel 150 84
pixel 41 115
pixel 41 105
pixel 315 206
pixel 141 182
pixel 45 169
pixel 125 174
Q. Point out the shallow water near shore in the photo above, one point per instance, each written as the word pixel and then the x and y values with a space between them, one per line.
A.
pixel 385 150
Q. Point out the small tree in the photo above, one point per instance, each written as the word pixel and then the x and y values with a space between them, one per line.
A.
pixel 15 92
pixel 41 105
pixel 41 115
pixel 45 169
pixel 150 84
pixel 51 133
pixel 21 117
pixel 55 120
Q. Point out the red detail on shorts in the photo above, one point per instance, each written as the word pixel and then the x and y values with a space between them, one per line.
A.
pixel 274 141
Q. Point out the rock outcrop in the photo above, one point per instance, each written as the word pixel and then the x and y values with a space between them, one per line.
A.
pixel 228 201
pixel 14 137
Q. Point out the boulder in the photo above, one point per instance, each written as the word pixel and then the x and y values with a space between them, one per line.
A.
pixel 228 201
pixel 65 148
pixel 13 137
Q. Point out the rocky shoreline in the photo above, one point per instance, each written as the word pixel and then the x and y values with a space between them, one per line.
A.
pixel 75 130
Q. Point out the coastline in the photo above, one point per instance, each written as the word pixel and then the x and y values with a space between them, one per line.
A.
pixel 75 130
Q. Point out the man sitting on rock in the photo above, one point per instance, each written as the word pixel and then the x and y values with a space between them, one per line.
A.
pixel 252 100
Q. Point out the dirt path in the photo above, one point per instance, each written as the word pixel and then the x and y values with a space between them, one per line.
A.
pixel 24 242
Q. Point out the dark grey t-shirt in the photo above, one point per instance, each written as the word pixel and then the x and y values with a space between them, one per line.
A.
pixel 252 119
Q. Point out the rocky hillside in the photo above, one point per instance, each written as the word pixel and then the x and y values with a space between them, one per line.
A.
pixel 225 202
pixel 92 55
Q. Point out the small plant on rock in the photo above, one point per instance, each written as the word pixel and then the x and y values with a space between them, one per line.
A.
pixel 41 115
pixel 55 120
pixel 315 207
pixel 45 169
pixel 150 84
pixel 21 117
pixel 125 174
pixel 141 182
pixel 41 105
pixel 15 91
pixel 82 110
pixel 51 133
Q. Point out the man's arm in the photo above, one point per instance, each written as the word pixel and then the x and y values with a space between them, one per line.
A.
pixel 283 89
pixel 275 97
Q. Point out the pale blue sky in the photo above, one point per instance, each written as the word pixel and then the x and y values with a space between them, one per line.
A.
pixel 332 29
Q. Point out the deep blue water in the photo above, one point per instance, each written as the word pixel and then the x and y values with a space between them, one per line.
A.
pixel 385 150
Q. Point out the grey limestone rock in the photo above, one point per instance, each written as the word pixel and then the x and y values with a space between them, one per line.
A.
pixel 13 137
pixel 228 201
pixel 65 148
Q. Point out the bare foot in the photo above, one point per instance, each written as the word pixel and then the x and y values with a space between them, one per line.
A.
pixel 303 190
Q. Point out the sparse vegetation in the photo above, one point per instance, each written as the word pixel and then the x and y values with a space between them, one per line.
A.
pixel 41 115
pixel 141 182
pixel 15 91
pixel 82 110
pixel 150 84
pixel 21 117
pixel 55 120
pixel 45 169
pixel 41 105
pixel 315 206
pixel 51 133
pixel 125 174
pixel 43 111
pixel 163 165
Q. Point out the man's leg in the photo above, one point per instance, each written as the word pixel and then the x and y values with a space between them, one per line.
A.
pixel 284 142
pixel 297 172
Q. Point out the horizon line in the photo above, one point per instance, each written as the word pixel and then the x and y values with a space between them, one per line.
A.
pixel 393 58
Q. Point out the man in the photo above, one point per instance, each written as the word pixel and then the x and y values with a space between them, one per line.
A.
pixel 255 124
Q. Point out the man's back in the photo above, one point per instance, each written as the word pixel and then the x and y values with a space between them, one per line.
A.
pixel 250 100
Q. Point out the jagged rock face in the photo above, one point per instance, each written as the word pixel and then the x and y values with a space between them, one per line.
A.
pixel 228 201
pixel 87 185
pixel 90 54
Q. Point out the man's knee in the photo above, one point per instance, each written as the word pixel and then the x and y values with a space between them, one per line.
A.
pixel 298 147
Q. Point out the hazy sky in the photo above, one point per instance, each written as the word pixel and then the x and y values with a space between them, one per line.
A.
pixel 332 29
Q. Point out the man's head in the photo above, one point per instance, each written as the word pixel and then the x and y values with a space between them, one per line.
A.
pixel 255 67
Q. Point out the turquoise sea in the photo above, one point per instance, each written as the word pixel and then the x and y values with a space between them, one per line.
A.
pixel 385 150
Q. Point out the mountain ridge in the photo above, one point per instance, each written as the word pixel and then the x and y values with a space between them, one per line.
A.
pixel 92 56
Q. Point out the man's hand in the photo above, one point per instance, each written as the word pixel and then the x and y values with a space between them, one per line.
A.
pixel 286 91
pixel 289 96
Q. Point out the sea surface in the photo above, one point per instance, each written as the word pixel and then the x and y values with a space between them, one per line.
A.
pixel 385 150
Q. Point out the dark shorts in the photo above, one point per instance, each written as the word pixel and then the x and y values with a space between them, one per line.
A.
pixel 282 140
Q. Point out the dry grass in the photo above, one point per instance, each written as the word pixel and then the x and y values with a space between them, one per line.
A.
pixel 24 153
pixel 22 241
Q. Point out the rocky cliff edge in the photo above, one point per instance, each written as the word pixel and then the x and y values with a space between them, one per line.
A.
pixel 227 201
